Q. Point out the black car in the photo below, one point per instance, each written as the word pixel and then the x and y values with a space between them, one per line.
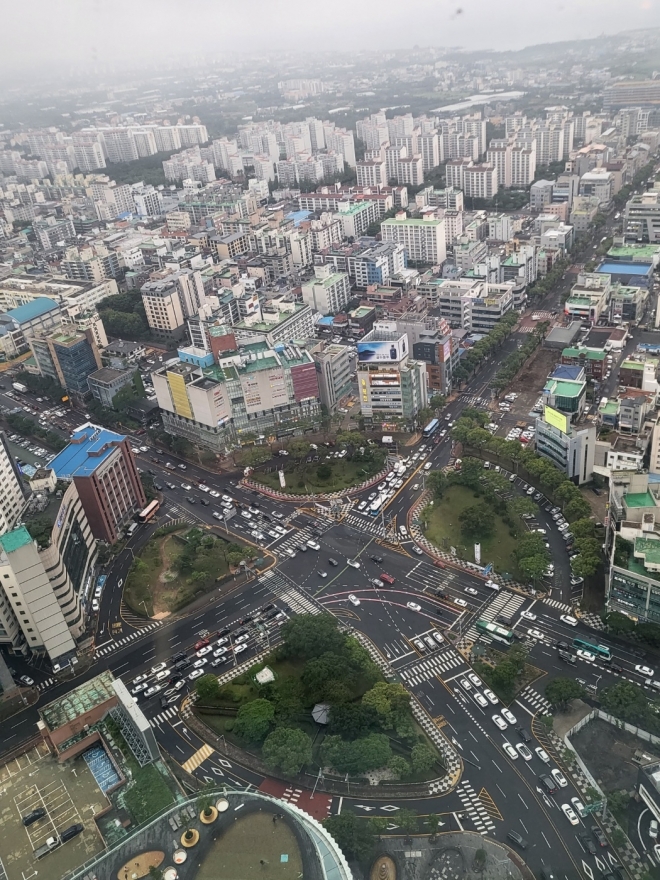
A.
pixel 153 473
pixel 71 831
pixel 516 838
pixel 524 736
pixel 204 502
pixel 616 668
pixel 180 655
pixel 272 613
pixel 268 607
pixel 157 487
pixel 164 702
pixel 247 619
pixel 181 664
pixel 266 518
pixel 548 783
pixel 224 632
pixel 378 559
pixel 587 843
pixel 190 499
pixel 34 816
pixel 333 561
pixel 597 832
pixel 441 594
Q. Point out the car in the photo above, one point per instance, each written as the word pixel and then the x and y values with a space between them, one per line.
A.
pixel 510 717
pixel 466 684
pixel 524 752
pixel 500 722
pixel 559 778
pixel 587 843
pixel 476 681
pixel 481 701
pixel 438 637
pixel 241 637
pixel 158 667
pixel 578 806
pixel 528 615
pixel 220 652
pixel 162 675
pixel 471 591
pixel 202 651
pixel 569 619
pixel 240 648
pixel 413 606
pixel 523 734
pixel 535 634
pixel 493 586
pixel 377 559
pixel 516 838
pixel 203 487
pixel 597 832
pixel 353 599
pixel 653 828
pixel 646 671
pixel 417 550
pixel 201 662
pixel 213 493
pixel 140 678
pixel 576 581
pixel 196 673
pixel 33 816
pixel 387 578
pixel 542 755
pixel 586 655
pixel 186 487
pixel 419 644
pixel 509 749
pixel 154 689
pixel 415 487
pixel 490 696
pixel 460 602
pixel 353 563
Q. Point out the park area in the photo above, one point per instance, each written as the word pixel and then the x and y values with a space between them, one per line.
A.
pixel 176 566
pixel 443 528
pixel 320 700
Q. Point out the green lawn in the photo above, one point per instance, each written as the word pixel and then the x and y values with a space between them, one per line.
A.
pixel 444 531
pixel 302 479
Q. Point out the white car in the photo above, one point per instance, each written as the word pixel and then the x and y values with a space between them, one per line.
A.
pixel 500 722
pixel 493 586
pixel 460 602
pixel 567 618
pixel 510 717
pixel 585 655
pixel 240 648
pixel 523 751
pixel 438 637
pixel 476 681
pixel 578 806
pixel 323 574
pixel 220 651
pixel 542 755
pixel 140 678
pixel 353 563
pixel 154 689
pixel 481 701
pixel 214 494
pixel 490 696
pixel 203 488
pixel 186 487
pixel 471 591
pixel 568 811
pixel 415 487
pixel 535 634
pixel 559 778
pixel 509 749
pixel 202 651
pixel 196 673
pixel 466 684
pixel 413 606
pixel 158 667
pixel 201 662
pixel 417 550
pixel 646 671
pixel 138 688
pixel 377 582
pixel 528 615
pixel 353 599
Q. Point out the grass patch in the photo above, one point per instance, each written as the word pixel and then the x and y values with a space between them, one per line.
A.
pixel 443 529
pixel 148 795
pixel 303 479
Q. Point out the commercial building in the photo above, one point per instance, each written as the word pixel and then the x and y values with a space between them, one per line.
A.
pixel 170 299
pixel 19 325
pixel 392 387
pixel 632 93
pixel 424 240
pixel 101 465
pixel 469 304
pixel 13 492
pixel 379 264
pixel 277 321
pixel 641 219
pixel 333 366
pixel 328 292
pixel 106 382
pixel 571 449
pixel 67 357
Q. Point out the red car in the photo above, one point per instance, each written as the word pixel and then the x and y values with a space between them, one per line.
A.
pixel 439 563
pixel 387 578
pixel 202 643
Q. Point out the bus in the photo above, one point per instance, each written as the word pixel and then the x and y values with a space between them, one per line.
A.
pixel 149 511
pixel 601 651
pixel 487 628
pixel 375 506
pixel 431 428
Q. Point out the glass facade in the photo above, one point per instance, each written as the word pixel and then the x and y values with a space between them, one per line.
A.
pixel 634 594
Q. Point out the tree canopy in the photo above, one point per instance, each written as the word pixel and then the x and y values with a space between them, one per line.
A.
pixel 287 749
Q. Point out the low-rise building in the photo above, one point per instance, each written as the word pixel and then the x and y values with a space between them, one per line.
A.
pixel 327 292
pixel 106 382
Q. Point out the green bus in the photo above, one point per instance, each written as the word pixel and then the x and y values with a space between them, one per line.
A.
pixel 487 628
pixel 601 651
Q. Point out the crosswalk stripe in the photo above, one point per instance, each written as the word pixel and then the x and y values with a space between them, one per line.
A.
pixel 198 758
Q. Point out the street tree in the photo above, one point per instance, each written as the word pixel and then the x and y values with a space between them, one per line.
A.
pixel 560 691
pixel 407 821
pixel 310 635
pixel 422 758
pixel 287 749
pixel 254 720
pixel 207 687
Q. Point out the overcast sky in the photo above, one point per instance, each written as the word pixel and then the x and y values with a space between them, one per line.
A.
pixel 121 30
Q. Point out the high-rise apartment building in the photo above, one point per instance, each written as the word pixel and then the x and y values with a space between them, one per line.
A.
pixel 170 298
pixel 424 240
pixel 328 292
pixel 101 465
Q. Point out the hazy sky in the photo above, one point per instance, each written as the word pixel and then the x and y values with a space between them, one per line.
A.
pixel 117 30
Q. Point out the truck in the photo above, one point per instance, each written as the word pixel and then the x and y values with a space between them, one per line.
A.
pixel 50 844
pixel 18 386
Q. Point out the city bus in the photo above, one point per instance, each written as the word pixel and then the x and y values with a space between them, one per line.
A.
pixel 149 511
pixel 487 628
pixel 601 651
pixel 431 428
pixel 375 506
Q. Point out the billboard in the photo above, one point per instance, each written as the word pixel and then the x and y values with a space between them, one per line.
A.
pixel 380 351
pixel 556 419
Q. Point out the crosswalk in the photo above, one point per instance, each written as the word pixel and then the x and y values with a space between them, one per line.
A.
pixel 137 621
pixel 366 523
pixel 475 400
pixel 114 645
pixel 475 809
pixel 44 685
pixel 432 667
pixel 562 606
pixel 182 515
pixel 163 716
pixel 504 603
pixel 535 700
pixel 295 538
pixel 198 758
pixel 280 585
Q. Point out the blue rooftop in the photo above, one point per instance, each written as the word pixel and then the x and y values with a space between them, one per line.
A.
pixel 298 217
pixel 625 269
pixel 33 309
pixel 325 321
pixel 567 371
pixel 89 447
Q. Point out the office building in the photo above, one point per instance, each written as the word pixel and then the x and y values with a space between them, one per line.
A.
pixel 101 465
pixel 333 366
pixel 424 240
pixel 68 357
pixel 629 93
pixel 468 303
pixel 328 292
pixel 19 325
pixel 569 447
pixel 392 387
pixel 13 492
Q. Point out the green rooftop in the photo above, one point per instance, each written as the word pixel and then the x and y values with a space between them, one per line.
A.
pixel 393 221
pixel 587 353
pixel 565 388
pixel 649 550
pixel 639 499
pixel 80 700
pixel 15 540
pixel 642 253
pixel 578 301
pixel 611 408
pixel 220 374
pixel 632 365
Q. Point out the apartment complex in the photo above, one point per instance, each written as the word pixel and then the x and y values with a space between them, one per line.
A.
pixel 423 240
pixel 327 292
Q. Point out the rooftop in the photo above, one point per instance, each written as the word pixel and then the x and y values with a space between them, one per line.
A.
pixel 632 365
pixel 33 309
pixel 636 253
pixel 639 499
pixel 621 268
pixel 584 352
pixel 15 540
pixel 564 387
pixel 78 701
pixel 90 445
pixel 648 549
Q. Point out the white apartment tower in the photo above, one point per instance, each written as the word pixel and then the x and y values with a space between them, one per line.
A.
pixel 424 240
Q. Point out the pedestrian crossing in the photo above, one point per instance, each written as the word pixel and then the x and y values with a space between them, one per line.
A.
pixel 137 621
pixel 432 667
pixel 198 758
pixel 163 716
pixel 475 809
pixel 554 603
pixel 295 538
pixel 366 523
pixel 44 685
pixel 285 590
pixel 180 514
pixel 114 645
pixel 504 603
pixel 475 400
pixel 534 698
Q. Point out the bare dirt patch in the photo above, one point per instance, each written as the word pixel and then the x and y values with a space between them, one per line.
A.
pixel 608 751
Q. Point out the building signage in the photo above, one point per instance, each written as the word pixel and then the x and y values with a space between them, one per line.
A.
pixel 556 419
pixel 378 352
